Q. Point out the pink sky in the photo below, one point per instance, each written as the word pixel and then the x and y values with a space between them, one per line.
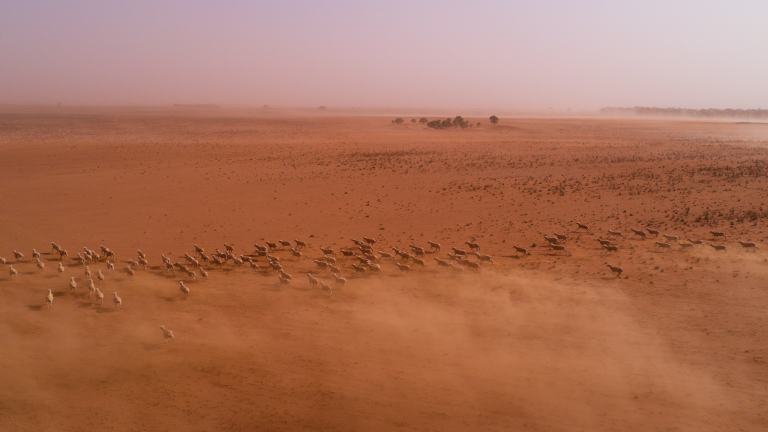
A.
pixel 507 55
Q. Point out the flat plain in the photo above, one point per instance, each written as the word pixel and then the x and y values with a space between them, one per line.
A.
pixel 545 339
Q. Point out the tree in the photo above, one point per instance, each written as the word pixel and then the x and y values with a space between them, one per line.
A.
pixel 423 120
pixel 493 119
pixel 398 120
pixel 436 124
pixel 459 121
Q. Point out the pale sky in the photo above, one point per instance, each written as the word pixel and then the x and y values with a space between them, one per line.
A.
pixel 495 54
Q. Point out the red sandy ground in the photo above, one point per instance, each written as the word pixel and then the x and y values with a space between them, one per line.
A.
pixel 549 341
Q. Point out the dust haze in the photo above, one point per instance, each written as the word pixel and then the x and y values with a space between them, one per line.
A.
pixel 530 331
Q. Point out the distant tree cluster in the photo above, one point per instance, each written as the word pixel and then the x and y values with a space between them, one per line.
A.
pixel 446 123
pixel 456 122
pixel 686 112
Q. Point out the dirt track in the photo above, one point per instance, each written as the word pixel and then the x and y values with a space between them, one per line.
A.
pixel 547 341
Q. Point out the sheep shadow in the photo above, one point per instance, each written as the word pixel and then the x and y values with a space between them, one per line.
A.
pixel 35 307
pixel 104 309
pixel 85 304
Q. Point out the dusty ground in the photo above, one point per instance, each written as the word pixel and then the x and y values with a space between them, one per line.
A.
pixel 546 341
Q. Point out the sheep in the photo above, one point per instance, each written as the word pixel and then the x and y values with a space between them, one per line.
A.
pixel 55 247
pixel 652 231
pixel 100 275
pixel 295 252
pixel 35 253
pixel 40 265
pixel 615 233
pixel 639 233
pixel 285 275
pixel 435 246
pixel 442 262
pixel 91 288
pixel 3 260
pixel 403 267
pixel 130 270
pixel 604 242
pixel 484 258
pixel 695 241
pixel 684 245
pixel 72 283
pixel 582 226
pixel 456 257
pixel 271 245
pixel 471 264
pixel 167 333
pixel 284 279
pixel 63 253
pixel 615 269
pixel 61 267
pixel 87 272
pixel 610 247
pixel 551 240
pixel 339 280
pixel 369 240
pixel 663 245
pixel 521 250
pixel 561 237
pixel 417 250
pixel 472 245
pixel 670 237
pixel 347 252
pixel 717 247
pixel 18 255
pixel 747 244
pixel 384 254
pixel 190 259
pixel 184 288
pixel 334 269
pixel 300 244
pixel 284 243
pixel 459 251
pixel 327 250
pixel 108 252
pixel 320 263
pixel 99 296
pixel 204 273
pixel 116 299
pixel 717 233
pixel 313 281
pixel 231 248
pixel 325 287
pixel 557 247
pixel 49 298
pixel 12 271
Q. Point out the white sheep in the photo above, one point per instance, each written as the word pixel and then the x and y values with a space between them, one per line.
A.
pixel 184 288
pixel 167 333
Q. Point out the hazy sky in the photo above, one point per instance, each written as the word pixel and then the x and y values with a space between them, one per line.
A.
pixel 513 54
